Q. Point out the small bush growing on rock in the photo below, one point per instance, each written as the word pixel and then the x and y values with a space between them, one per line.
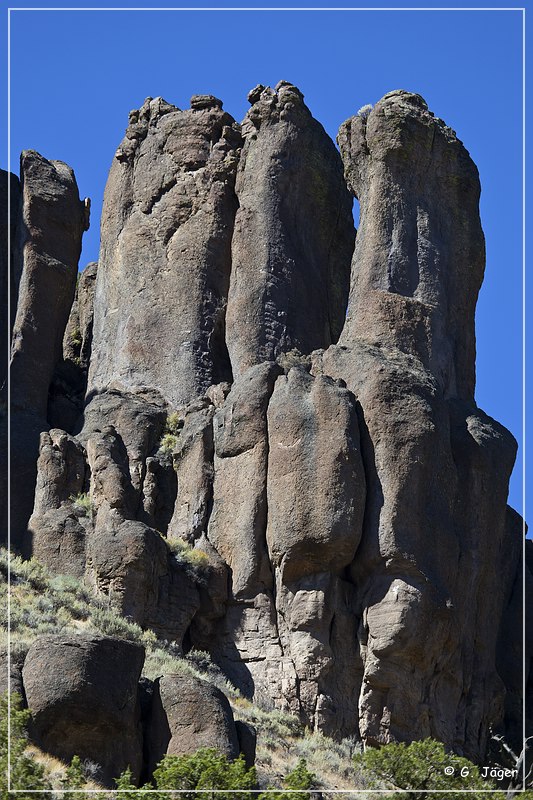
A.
pixel 173 425
pixel 364 111
pixel 421 766
pixel 83 502
pixel 75 337
pixel 293 358
pixel 187 555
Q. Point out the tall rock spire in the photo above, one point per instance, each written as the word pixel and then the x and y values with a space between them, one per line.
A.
pixel 165 259
pixel 420 252
pixel 293 236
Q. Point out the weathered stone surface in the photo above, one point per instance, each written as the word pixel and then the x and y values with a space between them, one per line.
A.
pixel 247 736
pixel 52 224
pixel 360 568
pixel 193 459
pixel 138 419
pixel 316 482
pixel 293 236
pixel 514 651
pixel 9 214
pixel 237 526
pixel 67 390
pixel 82 692
pixel 420 251
pixel 187 714
pixel 49 231
pixel 126 560
pixel 9 277
pixel 427 637
pixel 165 259
pixel 59 524
pixel 11 672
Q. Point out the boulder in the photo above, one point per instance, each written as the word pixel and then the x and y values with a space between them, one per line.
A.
pixel 82 691
pixel 189 714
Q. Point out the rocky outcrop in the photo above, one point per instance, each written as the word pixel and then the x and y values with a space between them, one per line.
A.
pixel 420 252
pixel 62 512
pixel 9 279
pixel 187 714
pixel 49 230
pixel 66 396
pixel 52 224
pixel 293 234
pixel 427 634
pixel 9 213
pixel 326 514
pixel 167 223
pixel 82 692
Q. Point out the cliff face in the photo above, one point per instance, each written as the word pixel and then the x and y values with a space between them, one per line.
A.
pixel 328 469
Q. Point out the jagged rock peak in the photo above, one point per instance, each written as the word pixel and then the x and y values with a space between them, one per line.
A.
pixel 165 256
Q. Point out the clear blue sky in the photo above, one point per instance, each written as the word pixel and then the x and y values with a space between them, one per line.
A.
pixel 76 74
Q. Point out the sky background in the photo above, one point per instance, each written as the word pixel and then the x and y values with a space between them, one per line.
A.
pixel 75 75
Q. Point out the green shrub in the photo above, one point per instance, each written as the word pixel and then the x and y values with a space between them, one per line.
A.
pixel 187 555
pixel 75 337
pixel 206 769
pixel 168 442
pixel 83 502
pixel 74 775
pixel 25 773
pixel 423 766
pixel 299 779
pixel 173 426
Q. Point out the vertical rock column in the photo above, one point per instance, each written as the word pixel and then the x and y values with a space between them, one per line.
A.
pixel 165 258
pixel 293 235
pixel 428 586
pixel 49 242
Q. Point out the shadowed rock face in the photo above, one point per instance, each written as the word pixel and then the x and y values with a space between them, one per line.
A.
pixel 293 234
pixel 167 223
pixel 49 229
pixel 78 704
pixel 329 523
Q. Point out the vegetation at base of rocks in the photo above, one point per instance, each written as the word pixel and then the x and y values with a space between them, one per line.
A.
pixel 42 603
pixel 206 769
pixel 173 426
pixel 25 773
pixel 196 775
pixel 293 358
pixel 83 502
pixel 423 766
pixel 364 111
pixel 299 779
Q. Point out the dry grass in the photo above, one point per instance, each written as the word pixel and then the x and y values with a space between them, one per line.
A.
pixel 42 603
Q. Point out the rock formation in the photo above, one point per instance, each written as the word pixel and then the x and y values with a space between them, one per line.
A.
pixel 49 226
pixel 293 233
pixel 299 483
